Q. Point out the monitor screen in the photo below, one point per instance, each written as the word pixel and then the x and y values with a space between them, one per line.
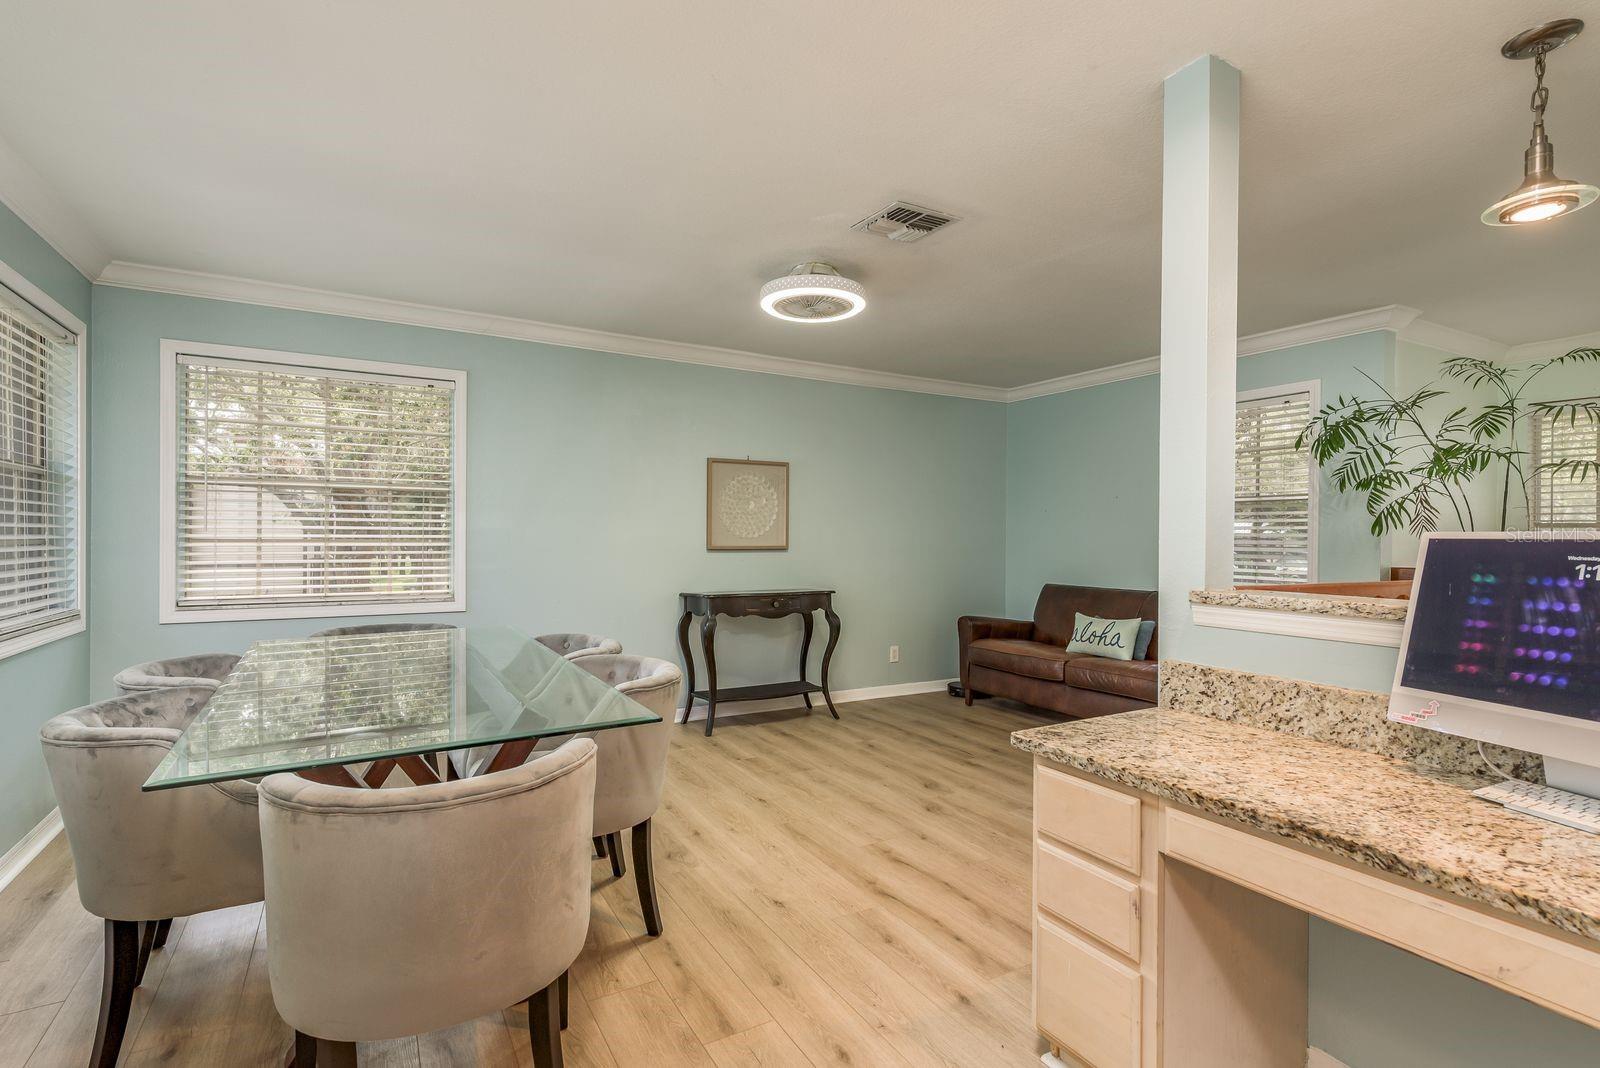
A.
pixel 1509 621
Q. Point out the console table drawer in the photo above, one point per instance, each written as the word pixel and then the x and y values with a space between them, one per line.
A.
pixel 1100 821
pixel 1091 898
pixel 1085 1000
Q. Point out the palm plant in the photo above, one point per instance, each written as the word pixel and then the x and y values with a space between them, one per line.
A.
pixel 1413 467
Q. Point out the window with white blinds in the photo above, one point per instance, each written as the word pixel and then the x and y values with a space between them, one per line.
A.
pixel 304 486
pixel 1274 494
pixel 41 544
pixel 1559 500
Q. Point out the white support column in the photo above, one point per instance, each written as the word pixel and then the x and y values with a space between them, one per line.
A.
pixel 1199 332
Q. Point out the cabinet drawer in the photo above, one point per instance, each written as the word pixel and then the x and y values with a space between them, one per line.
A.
pixel 1093 899
pixel 1084 999
pixel 1098 820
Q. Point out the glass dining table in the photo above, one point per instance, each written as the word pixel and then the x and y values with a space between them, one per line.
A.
pixel 349 709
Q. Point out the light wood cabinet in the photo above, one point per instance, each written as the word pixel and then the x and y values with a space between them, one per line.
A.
pixel 1088 995
pixel 1095 819
pixel 1169 938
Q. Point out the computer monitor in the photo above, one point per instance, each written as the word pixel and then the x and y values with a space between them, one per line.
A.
pixel 1502 644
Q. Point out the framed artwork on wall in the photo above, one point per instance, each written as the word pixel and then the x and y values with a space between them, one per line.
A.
pixel 747 505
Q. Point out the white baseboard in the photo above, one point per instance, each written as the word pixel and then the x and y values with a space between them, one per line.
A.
pixel 20 855
pixel 865 693
pixel 1315 1058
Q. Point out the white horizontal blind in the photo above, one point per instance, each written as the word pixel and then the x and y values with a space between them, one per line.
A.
pixel 1559 500
pixel 309 486
pixel 1272 535
pixel 39 470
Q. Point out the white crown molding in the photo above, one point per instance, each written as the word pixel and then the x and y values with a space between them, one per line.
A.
pixel 1543 350
pixel 36 204
pixel 1404 322
pixel 32 844
pixel 1098 376
pixel 865 693
pixel 350 305
pixel 1448 339
pixel 1394 317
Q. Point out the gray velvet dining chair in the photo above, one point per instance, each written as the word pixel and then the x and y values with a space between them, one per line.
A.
pixel 202 669
pixel 633 767
pixel 572 646
pixel 397 912
pixel 141 857
pixel 381 628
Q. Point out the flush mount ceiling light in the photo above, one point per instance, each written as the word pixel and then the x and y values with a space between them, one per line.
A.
pixel 813 292
pixel 1542 195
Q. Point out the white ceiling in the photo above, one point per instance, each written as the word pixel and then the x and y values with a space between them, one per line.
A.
pixel 643 167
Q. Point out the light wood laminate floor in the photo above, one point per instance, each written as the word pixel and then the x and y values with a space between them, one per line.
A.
pixel 850 893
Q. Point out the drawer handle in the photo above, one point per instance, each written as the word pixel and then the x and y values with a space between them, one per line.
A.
pixel 777 603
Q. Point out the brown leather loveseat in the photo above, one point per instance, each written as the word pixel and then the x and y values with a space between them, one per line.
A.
pixel 1027 660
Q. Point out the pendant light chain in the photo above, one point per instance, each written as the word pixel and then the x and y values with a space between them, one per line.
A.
pixel 1541 95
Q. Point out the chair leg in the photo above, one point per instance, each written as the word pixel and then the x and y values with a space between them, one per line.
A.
pixel 544 1027
pixel 116 991
pixel 619 865
pixel 147 941
pixel 335 1054
pixel 304 1052
pixel 644 873
pixel 600 847
pixel 162 929
pixel 564 985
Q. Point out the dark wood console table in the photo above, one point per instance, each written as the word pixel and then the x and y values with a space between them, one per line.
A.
pixel 771 604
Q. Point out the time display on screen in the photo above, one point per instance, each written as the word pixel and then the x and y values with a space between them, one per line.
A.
pixel 1509 622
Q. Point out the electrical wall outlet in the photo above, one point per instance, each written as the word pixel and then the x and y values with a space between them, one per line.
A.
pixel 894 654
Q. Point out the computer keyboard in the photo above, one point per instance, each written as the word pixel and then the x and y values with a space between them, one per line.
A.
pixel 1546 802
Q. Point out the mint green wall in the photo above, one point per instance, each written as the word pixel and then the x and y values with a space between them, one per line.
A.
pixel 1081 490
pixel 1082 468
pixel 41 682
pixel 586 493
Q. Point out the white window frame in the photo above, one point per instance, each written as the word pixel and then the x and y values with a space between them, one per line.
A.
pixel 1536 494
pixel 14 281
pixel 1313 518
pixel 170 612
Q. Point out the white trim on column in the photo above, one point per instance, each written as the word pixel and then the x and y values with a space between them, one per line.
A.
pixel 19 856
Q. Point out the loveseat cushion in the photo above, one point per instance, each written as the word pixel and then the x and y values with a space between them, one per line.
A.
pixel 1033 659
pixel 1130 678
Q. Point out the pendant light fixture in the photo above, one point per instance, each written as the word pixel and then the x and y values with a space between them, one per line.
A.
pixel 813 292
pixel 1542 195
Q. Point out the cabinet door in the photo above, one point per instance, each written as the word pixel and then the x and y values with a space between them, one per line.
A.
pixel 1084 999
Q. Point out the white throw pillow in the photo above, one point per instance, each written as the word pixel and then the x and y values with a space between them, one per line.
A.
pixel 1110 638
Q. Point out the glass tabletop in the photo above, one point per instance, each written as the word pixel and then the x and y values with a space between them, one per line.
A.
pixel 302 703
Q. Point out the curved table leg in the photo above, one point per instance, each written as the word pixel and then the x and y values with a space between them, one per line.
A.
pixel 805 651
pixel 688 662
pixel 708 648
pixel 827 656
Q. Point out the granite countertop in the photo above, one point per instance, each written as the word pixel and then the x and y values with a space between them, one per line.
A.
pixel 1312 604
pixel 1394 816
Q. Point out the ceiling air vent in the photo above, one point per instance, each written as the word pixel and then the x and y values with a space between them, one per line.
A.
pixel 904 222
